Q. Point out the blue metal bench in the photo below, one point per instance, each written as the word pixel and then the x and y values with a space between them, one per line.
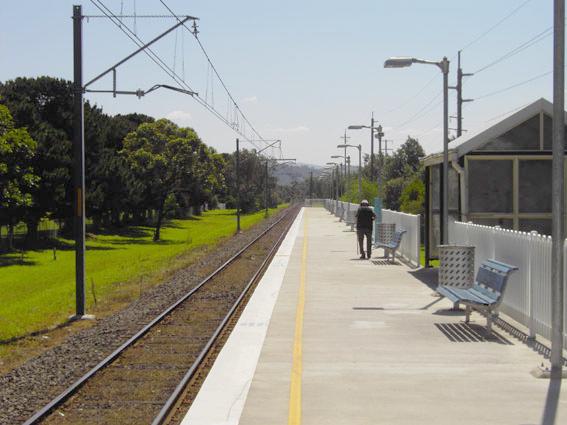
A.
pixel 485 295
pixel 392 246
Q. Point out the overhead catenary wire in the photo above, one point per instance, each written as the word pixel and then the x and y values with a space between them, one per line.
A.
pixel 161 63
pixel 194 33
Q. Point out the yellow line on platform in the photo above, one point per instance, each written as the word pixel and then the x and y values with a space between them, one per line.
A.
pixel 294 417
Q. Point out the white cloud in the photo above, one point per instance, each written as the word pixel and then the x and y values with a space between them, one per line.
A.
pixel 297 129
pixel 180 117
pixel 250 99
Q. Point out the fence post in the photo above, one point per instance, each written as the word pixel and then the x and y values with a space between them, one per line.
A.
pixel 418 240
pixel 531 319
pixel 494 230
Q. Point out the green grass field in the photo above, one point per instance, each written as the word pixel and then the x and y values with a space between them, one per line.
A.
pixel 40 291
pixel 432 263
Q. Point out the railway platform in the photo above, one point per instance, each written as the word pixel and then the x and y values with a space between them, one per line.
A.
pixel 331 339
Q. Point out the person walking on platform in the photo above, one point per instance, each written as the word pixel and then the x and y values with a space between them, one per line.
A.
pixel 364 218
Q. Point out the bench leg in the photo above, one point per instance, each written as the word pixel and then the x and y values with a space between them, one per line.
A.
pixel 489 320
pixel 468 311
pixel 394 256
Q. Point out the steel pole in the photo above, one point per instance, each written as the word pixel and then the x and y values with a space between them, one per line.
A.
pixel 348 175
pixel 79 161
pixel 345 177
pixel 266 192
pixel 372 148
pixel 341 177
pixel 311 185
pixel 380 160
pixel 237 185
pixel 557 188
pixel 459 98
pixel 359 173
pixel 445 211
pixel 337 177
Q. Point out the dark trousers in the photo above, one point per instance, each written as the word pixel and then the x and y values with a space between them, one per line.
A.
pixel 361 233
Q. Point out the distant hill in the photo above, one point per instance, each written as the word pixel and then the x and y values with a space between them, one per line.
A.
pixel 288 173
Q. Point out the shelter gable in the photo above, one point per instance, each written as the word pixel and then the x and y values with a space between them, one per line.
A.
pixel 523 137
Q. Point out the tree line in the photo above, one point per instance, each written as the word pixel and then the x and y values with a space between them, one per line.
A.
pixel 403 187
pixel 139 170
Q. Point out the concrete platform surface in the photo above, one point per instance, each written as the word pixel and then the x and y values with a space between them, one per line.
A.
pixel 364 342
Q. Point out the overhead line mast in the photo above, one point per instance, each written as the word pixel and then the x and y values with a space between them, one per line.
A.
pixel 460 100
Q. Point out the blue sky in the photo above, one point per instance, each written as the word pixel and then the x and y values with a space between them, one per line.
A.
pixel 302 71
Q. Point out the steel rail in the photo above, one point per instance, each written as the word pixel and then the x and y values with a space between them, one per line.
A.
pixel 73 388
pixel 172 400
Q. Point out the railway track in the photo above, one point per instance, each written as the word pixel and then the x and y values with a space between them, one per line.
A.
pixel 145 380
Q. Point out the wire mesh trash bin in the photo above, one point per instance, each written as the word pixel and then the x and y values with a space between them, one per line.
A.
pixel 456 265
pixel 385 232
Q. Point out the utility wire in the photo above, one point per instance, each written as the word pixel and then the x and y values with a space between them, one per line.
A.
pixel 506 113
pixel 216 73
pixel 156 59
pixel 506 17
pixel 489 30
pixel 535 39
pixel 414 96
pixel 423 111
pixel 513 86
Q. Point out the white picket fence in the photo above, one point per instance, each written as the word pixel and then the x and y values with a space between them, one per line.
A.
pixel 528 294
pixel 411 241
pixel 410 245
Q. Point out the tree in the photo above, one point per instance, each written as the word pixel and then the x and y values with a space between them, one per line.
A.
pixel 393 192
pixel 17 178
pixel 412 198
pixel 162 158
pixel 405 161
pixel 252 181
pixel 107 172
pixel 44 106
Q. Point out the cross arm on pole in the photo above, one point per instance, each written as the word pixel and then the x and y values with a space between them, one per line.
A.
pixel 142 48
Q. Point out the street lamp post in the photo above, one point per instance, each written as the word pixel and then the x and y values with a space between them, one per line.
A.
pixel 374 132
pixel 359 147
pixel 336 170
pixel 443 65
pixel 347 168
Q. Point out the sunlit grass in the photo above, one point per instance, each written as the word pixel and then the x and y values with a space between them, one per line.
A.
pixel 39 291
pixel 432 263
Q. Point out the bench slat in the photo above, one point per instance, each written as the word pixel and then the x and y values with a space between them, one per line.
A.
pixel 485 297
pixel 491 278
pixel 486 293
pixel 487 290
pixel 500 266
pixel 465 294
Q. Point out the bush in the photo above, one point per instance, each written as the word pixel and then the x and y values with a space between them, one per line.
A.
pixel 412 199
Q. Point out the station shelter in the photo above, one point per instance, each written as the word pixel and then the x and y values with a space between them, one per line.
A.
pixel 499 175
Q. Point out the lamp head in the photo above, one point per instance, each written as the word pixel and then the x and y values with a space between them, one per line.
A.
pixel 355 127
pixel 343 146
pixel 398 62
